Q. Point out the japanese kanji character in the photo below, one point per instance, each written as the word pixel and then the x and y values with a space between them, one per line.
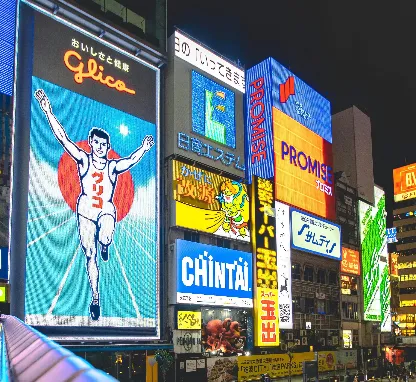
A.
pixel 183 141
pixel 125 67
pixel 101 56
pixel 267 259
pixel 187 188
pixel 196 146
pixel 109 60
pixel 75 43
pixel 117 63
pixel 268 331
pixel 206 193
pixel 267 306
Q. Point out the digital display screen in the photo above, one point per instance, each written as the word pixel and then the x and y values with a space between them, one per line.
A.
pixel 7 40
pixel 209 202
pixel 373 248
pixel 93 205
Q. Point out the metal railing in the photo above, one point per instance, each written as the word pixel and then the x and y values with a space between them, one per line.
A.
pixel 28 355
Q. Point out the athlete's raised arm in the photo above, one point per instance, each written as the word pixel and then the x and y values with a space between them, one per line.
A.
pixel 127 163
pixel 70 147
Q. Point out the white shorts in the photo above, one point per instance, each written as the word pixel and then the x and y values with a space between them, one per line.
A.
pixel 85 208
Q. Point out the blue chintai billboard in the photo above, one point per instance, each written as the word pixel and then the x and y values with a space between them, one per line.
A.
pixel 209 275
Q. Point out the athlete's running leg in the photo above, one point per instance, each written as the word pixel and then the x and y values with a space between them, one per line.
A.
pixel 88 234
pixel 106 225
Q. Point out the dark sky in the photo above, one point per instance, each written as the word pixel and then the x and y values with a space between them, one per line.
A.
pixel 355 52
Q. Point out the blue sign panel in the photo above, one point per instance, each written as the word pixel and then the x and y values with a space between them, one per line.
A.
pixel 392 235
pixel 259 123
pixel 211 275
pixel 7 37
pixel 213 110
pixel 4 263
pixel 299 101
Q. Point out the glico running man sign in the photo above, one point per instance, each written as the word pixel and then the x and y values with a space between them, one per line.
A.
pixel 92 198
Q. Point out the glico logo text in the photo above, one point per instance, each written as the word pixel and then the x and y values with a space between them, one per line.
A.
pixel 94 71
pixel 305 162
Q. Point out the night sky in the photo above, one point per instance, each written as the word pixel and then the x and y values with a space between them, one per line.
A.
pixel 356 52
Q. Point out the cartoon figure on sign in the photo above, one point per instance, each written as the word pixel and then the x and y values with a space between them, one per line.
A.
pixel 95 207
pixel 233 198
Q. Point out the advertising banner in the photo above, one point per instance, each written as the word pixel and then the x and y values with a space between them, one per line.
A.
pixel 264 247
pixel 394 267
pixel 222 369
pixel 327 360
pixel 346 359
pixel 315 235
pixel 391 235
pixel 3 293
pixel 350 261
pixel 404 179
pixel 285 265
pixel 224 331
pixel 4 263
pixel 210 203
pixel 211 275
pixel 186 341
pixel 385 296
pixel 373 246
pixel 303 167
pixel 93 205
pixel 7 43
pixel 189 320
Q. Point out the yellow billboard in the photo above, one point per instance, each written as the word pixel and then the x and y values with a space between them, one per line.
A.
pixel 189 320
pixel 209 202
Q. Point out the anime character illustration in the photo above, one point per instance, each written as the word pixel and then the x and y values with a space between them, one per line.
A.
pixel 234 202
pixel 95 209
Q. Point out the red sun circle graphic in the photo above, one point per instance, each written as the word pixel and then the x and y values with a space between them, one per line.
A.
pixel 69 183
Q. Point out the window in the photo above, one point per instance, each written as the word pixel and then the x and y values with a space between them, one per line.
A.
pixel 191 236
pixel 333 308
pixel 333 278
pixel 320 306
pixel 321 276
pixel 350 310
pixel 296 271
pixel 223 243
pixel 296 304
pixel 309 305
pixel 308 273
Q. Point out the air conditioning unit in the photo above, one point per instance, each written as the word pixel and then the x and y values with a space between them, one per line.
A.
pixel 297 342
pixel 283 347
pixel 289 336
pixel 303 333
pixel 304 341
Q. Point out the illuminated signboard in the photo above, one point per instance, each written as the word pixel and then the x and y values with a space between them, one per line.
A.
pixel 209 62
pixel 303 167
pixel 264 247
pixel 314 235
pixel 394 268
pixel 93 205
pixel 404 179
pixel 4 263
pixel 391 235
pixel 3 294
pixel 350 261
pixel 347 339
pixel 7 42
pixel 189 320
pixel 373 246
pixel 213 110
pixel 211 203
pixel 385 296
pixel 285 265
pixel 204 107
pixel 211 275
pixel 270 86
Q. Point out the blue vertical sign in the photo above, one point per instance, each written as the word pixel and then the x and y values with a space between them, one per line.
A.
pixel 7 37
pixel 4 263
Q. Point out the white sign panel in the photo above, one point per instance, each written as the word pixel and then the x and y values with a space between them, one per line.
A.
pixel 210 63
pixel 285 267
pixel 187 341
pixel 315 235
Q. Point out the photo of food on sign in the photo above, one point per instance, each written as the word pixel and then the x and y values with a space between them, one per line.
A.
pixel 217 204
pixel 222 369
pixel 224 331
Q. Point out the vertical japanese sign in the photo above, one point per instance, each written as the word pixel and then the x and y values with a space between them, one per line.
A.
pixel 285 267
pixel 266 316
pixel 350 261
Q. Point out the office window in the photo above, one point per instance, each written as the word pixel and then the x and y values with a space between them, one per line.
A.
pixel 321 277
pixel 191 236
pixel 223 243
pixel 333 278
pixel 350 310
pixel 308 273
pixel 296 271
pixel 309 305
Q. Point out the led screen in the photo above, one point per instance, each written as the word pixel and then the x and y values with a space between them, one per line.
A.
pixel 373 247
pixel 213 110
pixel 7 37
pixel 404 179
pixel 210 203
pixel 92 221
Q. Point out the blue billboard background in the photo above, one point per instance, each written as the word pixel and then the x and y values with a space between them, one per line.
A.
pixel 7 38
pixel 210 259
pixel 57 286
pixel 4 263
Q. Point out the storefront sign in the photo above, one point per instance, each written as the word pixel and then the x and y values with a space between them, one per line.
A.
pixel 347 339
pixel 315 235
pixel 266 316
pixel 186 341
pixel 350 261
pixel 189 320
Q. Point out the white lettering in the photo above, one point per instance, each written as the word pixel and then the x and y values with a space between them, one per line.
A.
pixel 187 281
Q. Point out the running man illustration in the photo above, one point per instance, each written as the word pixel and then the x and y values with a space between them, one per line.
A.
pixel 96 212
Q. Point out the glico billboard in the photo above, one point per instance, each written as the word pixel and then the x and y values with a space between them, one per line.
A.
pixel 92 232
pixel 374 258
pixel 208 202
pixel 404 179
pixel 289 138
